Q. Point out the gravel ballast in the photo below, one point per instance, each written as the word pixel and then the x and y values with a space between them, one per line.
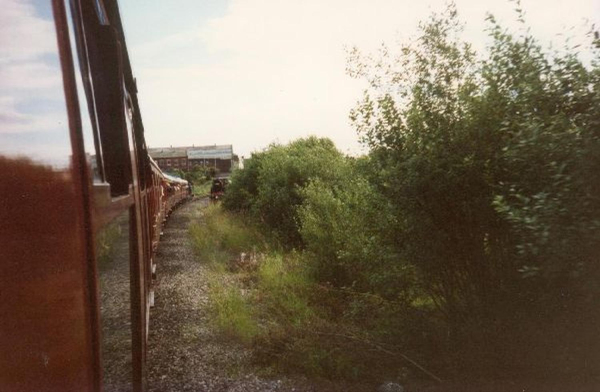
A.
pixel 184 354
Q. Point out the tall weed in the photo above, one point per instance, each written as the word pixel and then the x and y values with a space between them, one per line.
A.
pixel 232 313
pixel 220 236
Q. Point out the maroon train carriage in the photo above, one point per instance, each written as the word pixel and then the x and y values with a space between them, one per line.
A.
pixel 81 202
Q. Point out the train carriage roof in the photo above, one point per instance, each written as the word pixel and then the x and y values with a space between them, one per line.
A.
pixel 165 176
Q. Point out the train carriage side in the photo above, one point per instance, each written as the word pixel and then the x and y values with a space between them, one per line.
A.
pixel 84 191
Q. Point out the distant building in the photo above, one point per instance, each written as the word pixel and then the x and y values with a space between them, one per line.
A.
pixel 169 158
pixel 220 157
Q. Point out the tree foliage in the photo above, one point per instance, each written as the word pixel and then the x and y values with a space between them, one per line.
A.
pixel 479 198
pixel 270 186
pixel 491 167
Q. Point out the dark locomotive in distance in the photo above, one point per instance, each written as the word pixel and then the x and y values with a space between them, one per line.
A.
pixel 74 164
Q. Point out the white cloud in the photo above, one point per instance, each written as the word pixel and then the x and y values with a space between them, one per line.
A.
pixel 15 121
pixel 276 69
pixel 24 35
pixel 30 75
pixel 31 90
pixel 9 115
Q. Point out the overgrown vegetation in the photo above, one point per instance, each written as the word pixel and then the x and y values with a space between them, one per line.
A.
pixel 270 187
pixel 106 243
pixel 199 176
pixel 220 237
pixel 464 246
pixel 269 300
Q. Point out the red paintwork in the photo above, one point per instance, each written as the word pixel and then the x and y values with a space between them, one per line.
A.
pixel 45 333
pixel 51 210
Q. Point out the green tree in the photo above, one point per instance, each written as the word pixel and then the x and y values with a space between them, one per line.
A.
pixel 270 186
pixel 242 191
pixel 490 166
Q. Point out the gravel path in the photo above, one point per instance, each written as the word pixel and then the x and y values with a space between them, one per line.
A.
pixel 183 353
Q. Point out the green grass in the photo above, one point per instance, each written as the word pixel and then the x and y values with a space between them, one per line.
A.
pixel 219 236
pixel 106 240
pixel 285 287
pixel 276 287
pixel 275 308
pixel 202 189
pixel 233 314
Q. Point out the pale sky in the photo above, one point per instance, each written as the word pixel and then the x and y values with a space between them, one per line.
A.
pixel 251 72
pixel 241 72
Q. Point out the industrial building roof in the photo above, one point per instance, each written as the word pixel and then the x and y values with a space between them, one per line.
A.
pixel 168 152
pixel 211 152
pixel 224 151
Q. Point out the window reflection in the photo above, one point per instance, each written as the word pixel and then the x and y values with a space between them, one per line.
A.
pixel 84 94
pixel 33 116
pixel 112 245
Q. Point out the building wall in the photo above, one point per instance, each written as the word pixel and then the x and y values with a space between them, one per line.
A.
pixel 222 165
pixel 181 160
pixel 173 163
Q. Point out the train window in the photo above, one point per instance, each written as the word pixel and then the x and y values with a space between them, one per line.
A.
pixel 85 96
pixel 101 12
pixel 104 55
pixel 33 119
pixel 168 162
pixel 112 252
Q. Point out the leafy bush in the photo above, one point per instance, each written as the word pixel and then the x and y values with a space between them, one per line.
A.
pixel 344 228
pixel 242 190
pixel 269 187
pixel 473 225
pixel 491 170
